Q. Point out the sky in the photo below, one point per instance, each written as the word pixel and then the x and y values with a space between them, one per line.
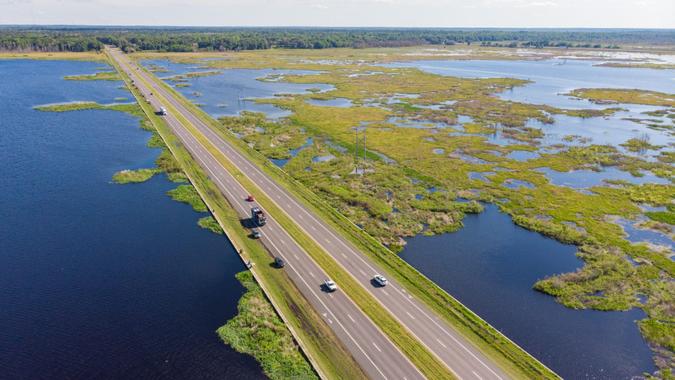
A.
pixel 377 13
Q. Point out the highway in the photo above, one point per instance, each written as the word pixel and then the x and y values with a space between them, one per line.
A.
pixel 372 347
pixel 375 353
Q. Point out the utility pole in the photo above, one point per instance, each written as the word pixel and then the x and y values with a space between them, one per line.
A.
pixel 356 149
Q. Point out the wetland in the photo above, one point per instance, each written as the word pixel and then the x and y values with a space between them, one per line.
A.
pixel 457 147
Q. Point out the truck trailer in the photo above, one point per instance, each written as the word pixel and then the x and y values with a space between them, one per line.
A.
pixel 258 216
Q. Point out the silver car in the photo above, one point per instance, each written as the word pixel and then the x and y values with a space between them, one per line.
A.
pixel 330 285
pixel 380 280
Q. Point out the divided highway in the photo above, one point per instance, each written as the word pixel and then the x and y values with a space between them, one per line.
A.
pixel 374 352
pixel 372 349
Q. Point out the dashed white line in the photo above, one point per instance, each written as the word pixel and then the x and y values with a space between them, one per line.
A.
pixel 475 374
pixel 378 348
pixel 410 315
pixel 312 274
pixel 350 318
pixel 442 344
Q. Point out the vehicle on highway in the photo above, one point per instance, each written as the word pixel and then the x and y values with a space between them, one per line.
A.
pixel 258 216
pixel 250 198
pixel 255 233
pixel 162 111
pixel 330 285
pixel 380 280
pixel 279 262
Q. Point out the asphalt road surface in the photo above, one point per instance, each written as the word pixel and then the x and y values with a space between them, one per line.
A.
pixel 379 357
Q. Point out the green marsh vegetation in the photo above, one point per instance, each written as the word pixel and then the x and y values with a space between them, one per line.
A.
pixel 319 342
pixel 101 75
pixel 257 330
pixel 209 223
pixel 133 176
pixel 409 188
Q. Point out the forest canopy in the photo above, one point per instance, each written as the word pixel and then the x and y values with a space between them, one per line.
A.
pixel 173 39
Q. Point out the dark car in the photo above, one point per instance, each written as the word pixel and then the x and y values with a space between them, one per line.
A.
pixel 279 262
pixel 255 233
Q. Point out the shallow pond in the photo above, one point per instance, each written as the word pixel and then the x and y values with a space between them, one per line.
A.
pixel 281 162
pixel 99 280
pixel 235 90
pixel 551 78
pixel 491 264
pixel 640 235
pixel 583 179
pixel 337 102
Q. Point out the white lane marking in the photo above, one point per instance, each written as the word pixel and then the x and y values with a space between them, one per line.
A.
pixel 358 257
pixel 441 343
pixel 362 272
pixel 296 256
pixel 180 129
pixel 475 374
pixel 385 292
pixel 312 274
pixel 327 241
pixel 410 315
pixel 343 255
pixel 378 348
pixel 350 317
pixel 282 241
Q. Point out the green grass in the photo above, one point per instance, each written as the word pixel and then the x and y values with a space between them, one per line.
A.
pixel 515 361
pixel 188 194
pixel 662 216
pixel 66 107
pixel 318 341
pixel 258 331
pixel 632 96
pixel 416 352
pixel 103 75
pixel 134 176
pixel 209 223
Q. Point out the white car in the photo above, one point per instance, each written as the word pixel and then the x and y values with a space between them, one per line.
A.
pixel 330 285
pixel 380 280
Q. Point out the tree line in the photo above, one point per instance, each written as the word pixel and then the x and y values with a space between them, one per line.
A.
pixel 78 39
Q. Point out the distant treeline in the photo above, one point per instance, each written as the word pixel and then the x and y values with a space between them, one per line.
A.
pixel 26 38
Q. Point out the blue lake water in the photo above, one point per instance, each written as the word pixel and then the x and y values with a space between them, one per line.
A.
pixel 582 179
pixel 99 280
pixel 551 79
pixel 234 90
pixel 491 264
pixel 337 102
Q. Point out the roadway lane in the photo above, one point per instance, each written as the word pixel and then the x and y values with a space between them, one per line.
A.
pixel 377 355
pixel 460 355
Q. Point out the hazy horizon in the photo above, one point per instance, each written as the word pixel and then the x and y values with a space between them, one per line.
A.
pixel 550 14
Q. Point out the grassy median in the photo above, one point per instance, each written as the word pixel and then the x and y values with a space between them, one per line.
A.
pixel 318 342
pixel 513 359
pixel 418 354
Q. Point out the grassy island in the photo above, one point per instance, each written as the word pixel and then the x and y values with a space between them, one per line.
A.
pixel 258 331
